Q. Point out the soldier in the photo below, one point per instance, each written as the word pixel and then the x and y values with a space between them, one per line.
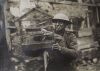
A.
pixel 65 53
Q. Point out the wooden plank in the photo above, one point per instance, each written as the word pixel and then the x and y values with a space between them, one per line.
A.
pixel 77 4
pixel 18 19
pixel 11 27
pixel 7 31
pixel 43 12
pixel 33 9
pixel 70 3
pixel 97 14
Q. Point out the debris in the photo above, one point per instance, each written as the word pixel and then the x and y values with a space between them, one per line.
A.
pixel 95 60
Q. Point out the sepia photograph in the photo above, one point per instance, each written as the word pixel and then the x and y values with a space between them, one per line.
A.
pixel 49 35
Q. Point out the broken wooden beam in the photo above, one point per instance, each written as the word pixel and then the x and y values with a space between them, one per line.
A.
pixel 11 27
pixel 33 9
pixel 70 3
pixel 23 16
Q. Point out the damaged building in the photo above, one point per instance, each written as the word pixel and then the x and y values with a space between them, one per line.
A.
pixel 24 19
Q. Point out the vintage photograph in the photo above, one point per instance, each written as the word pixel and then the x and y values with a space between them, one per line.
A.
pixel 49 35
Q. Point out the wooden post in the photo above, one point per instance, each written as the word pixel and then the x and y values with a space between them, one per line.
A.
pixel 97 15
pixel 82 26
pixel 7 31
pixel 88 21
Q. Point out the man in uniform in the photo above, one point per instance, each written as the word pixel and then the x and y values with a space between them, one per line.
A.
pixel 64 53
